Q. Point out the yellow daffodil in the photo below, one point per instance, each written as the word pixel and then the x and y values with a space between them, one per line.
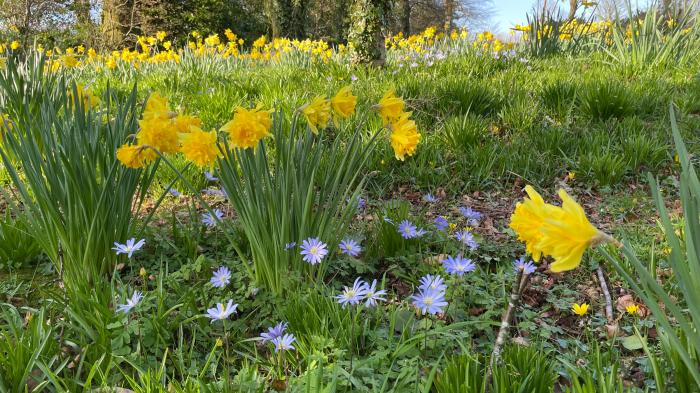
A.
pixel 85 95
pixel 632 309
pixel 343 104
pixel 404 136
pixel 14 45
pixel 580 309
pixel 133 156
pixel 161 35
pixel 390 107
pixel 248 127
pixel 200 147
pixel 566 235
pixel 527 220
pixel 156 107
pixel 184 123
pixel 159 134
pixel 317 113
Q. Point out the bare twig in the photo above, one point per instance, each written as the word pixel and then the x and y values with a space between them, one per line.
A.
pixel 608 300
pixel 513 301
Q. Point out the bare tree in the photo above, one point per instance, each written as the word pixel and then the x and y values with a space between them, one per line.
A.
pixel 611 9
pixel 27 18
pixel 449 15
pixel 475 14
pixel 573 6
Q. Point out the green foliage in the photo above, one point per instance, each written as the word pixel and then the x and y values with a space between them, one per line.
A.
pixel 523 369
pixel 559 97
pixel 299 191
pixel 604 166
pixel 600 375
pixel 649 43
pixel 466 132
pixel 17 245
pixel 462 374
pixel 546 28
pixel 683 260
pixel 607 99
pixel 461 96
pixel 78 197
pixel 181 17
pixel 29 353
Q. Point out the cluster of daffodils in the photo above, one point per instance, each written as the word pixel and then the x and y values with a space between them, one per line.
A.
pixel 164 132
pixel 159 49
pixel 404 132
pixel 425 40
pixel 487 42
pixel 562 232
pixel 602 30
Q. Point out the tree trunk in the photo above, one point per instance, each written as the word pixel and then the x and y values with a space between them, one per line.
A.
pixel 367 20
pixel 449 15
pixel 82 12
pixel 287 17
pixel 406 17
pixel 573 6
pixel 666 6
pixel 117 21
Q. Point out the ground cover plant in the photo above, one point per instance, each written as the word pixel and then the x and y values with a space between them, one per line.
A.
pixel 476 215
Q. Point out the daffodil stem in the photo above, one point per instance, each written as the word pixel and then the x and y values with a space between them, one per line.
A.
pixel 352 337
pixel 519 286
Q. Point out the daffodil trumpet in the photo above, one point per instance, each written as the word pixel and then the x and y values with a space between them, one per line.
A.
pixel 561 232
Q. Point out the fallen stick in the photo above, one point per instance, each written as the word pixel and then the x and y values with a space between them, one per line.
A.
pixel 606 293
pixel 513 302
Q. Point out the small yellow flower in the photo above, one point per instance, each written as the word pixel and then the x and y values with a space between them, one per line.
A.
pixel 161 35
pixel 580 309
pixel 142 272
pixel 390 107
pixel 248 127
pixel 571 176
pixel 317 113
pixel 632 309
pixel 404 136
pixel 133 156
pixel 343 104
pixel 219 343
pixel 14 45
pixel 200 147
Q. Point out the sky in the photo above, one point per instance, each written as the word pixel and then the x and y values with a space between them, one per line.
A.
pixel 509 12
